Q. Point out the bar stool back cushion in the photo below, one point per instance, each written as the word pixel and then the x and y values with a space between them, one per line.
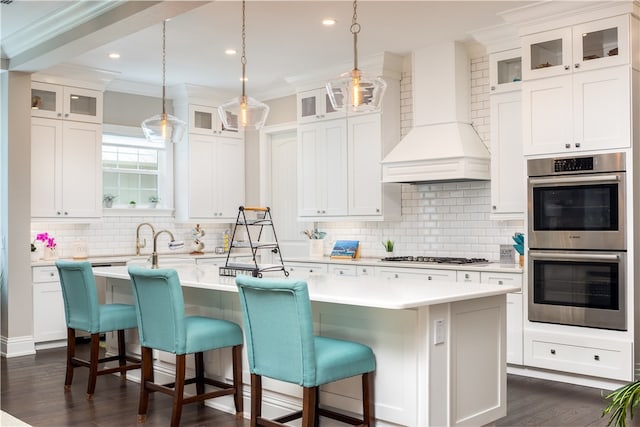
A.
pixel 162 323
pixel 81 306
pixel 280 342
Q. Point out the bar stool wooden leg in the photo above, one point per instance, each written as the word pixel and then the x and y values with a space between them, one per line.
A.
pixel 199 359
pixel 122 354
pixel 71 353
pixel 256 399
pixel 368 406
pixel 93 365
pixel 236 352
pixel 309 397
pixel 146 374
pixel 178 391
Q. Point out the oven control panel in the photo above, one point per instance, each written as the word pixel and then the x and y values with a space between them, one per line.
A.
pixel 573 164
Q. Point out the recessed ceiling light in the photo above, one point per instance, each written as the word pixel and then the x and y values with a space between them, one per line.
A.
pixel 230 51
pixel 114 55
pixel 328 22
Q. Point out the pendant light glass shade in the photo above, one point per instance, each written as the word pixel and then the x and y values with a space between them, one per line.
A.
pixel 243 111
pixel 355 90
pixel 163 128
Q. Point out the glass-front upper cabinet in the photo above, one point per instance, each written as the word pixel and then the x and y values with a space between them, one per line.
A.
pixel 314 105
pixel 205 120
pixel 66 102
pixel 505 71
pixel 595 44
pixel 602 43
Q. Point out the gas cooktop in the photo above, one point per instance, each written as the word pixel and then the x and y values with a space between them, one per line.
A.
pixel 436 260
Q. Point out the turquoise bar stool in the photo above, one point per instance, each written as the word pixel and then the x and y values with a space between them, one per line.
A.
pixel 162 325
pixel 281 345
pixel 83 312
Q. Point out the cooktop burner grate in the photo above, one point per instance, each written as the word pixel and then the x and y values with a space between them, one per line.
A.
pixel 436 260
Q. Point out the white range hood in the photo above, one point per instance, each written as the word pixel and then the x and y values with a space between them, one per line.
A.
pixel 442 146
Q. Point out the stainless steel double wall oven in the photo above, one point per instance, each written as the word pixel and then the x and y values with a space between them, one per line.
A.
pixel 577 240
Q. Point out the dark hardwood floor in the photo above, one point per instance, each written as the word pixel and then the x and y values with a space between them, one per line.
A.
pixel 32 390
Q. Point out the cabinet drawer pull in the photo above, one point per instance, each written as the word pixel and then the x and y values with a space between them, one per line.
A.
pixel 552 351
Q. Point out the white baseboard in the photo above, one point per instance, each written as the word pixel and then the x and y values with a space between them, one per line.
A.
pixel 17 346
pixel 563 377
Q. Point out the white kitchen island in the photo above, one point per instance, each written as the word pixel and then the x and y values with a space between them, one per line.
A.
pixel 440 346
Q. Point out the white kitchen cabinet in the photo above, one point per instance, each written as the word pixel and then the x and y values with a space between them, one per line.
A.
pixel 66 169
pixel 595 44
pixel 368 196
pixel 505 71
pixel 49 324
pixel 468 276
pixel 66 102
pixel 507 161
pixel 582 354
pixel 210 181
pixel 300 270
pixel 314 105
pixel 590 110
pixel 205 120
pixel 343 270
pixel 416 273
pixel 322 169
pixel 515 314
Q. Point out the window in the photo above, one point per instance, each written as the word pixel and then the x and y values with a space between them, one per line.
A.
pixel 135 169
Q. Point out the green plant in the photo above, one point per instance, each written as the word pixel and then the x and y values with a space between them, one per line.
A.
pixel 154 199
pixel 33 247
pixel 108 197
pixel 388 245
pixel 132 204
pixel 622 401
pixel 314 234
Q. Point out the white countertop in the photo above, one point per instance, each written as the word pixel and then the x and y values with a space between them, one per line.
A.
pixel 360 291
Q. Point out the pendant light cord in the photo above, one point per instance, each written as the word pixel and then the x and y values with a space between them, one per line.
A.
pixel 243 59
pixel 355 29
pixel 164 64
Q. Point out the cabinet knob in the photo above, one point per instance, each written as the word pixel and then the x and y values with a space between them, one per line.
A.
pixel 596 357
pixel 500 282
pixel 364 270
pixel 493 88
pixel 567 146
pixel 552 351
pixel 466 275
pixel 323 211
pixel 341 272
pixel 51 274
pixel 66 114
pixel 494 207
pixel 377 210
pixel 58 213
pixel 566 67
pixel 59 114
pixel 429 278
pixel 576 65
pixel 577 145
pixel 395 275
pixel 66 213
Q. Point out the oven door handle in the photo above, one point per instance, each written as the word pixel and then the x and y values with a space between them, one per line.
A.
pixel 581 256
pixel 573 180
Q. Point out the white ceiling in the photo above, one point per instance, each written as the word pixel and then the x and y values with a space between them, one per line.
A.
pixel 284 38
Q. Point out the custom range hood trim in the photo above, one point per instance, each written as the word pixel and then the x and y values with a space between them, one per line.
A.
pixel 443 145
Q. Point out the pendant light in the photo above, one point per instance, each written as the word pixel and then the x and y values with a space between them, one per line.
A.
pixel 354 89
pixel 243 110
pixel 164 127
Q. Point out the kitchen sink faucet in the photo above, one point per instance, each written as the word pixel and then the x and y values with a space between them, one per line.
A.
pixel 144 242
pixel 173 245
